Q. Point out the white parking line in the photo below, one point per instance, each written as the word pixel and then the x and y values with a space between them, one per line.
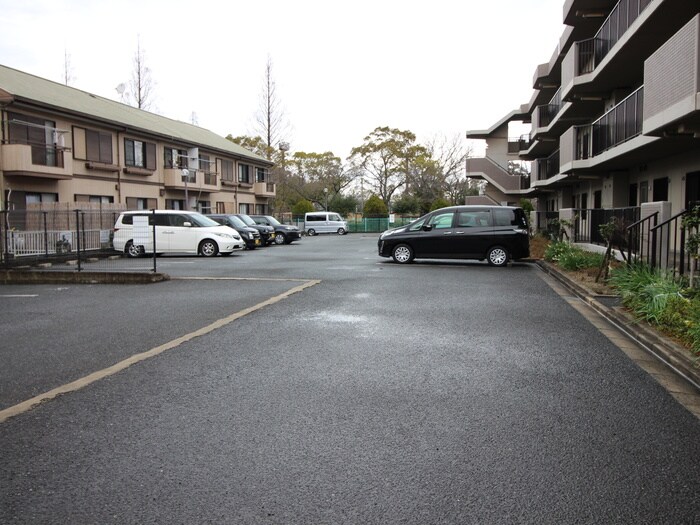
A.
pixel 126 363
pixel 18 295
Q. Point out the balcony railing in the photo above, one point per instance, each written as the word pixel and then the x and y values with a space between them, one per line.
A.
pixel 547 112
pixel 592 51
pixel 620 124
pixel 549 167
pixel 518 144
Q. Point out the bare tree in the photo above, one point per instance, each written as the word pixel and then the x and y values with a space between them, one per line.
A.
pixel 141 85
pixel 67 69
pixel 270 120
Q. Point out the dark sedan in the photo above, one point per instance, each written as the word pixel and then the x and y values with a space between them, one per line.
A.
pixel 284 233
pixel 250 235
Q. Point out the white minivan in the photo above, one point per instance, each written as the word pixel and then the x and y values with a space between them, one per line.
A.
pixel 324 222
pixel 175 232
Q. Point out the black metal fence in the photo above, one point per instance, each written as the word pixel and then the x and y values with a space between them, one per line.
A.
pixel 660 244
pixel 67 239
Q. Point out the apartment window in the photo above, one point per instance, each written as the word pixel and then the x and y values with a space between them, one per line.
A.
pixel 94 199
pixel 138 203
pixel 139 154
pixel 174 204
pixel 227 170
pixel 98 146
pixel 204 163
pixel 204 206
pixel 260 209
pixel 643 192
pixel 244 174
pixel 260 175
pixel 244 208
pixel 40 198
pixel 174 158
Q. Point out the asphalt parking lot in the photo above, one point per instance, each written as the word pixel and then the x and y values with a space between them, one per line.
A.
pixel 319 383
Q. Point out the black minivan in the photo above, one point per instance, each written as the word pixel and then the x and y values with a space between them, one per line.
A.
pixel 496 233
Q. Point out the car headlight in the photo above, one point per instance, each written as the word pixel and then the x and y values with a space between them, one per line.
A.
pixel 386 234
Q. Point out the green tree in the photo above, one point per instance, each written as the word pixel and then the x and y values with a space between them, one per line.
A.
pixel 439 203
pixel 302 206
pixel 375 207
pixel 318 177
pixel 406 205
pixel 386 157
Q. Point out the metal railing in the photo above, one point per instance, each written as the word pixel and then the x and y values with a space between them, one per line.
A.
pixel 592 51
pixel 549 167
pixel 587 224
pixel 547 112
pixel 661 245
pixel 620 124
pixel 37 236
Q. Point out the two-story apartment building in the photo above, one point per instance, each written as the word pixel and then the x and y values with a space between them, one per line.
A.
pixel 63 145
pixel 615 112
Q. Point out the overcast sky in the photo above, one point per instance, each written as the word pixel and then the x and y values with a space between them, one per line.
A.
pixel 341 69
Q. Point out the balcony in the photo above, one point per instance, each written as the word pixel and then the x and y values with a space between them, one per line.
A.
pixel 591 52
pixel 614 57
pixel 545 114
pixel 672 81
pixel 264 189
pixel 34 160
pixel 197 180
pixel 620 124
pixel 547 168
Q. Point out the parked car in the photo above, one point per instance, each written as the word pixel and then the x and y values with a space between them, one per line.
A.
pixel 284 233
pixel 324 222
pixel 175 232
pixel 495 233
pixel 267 233
pixel 250 235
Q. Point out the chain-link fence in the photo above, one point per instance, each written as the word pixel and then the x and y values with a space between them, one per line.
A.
pixel 64 239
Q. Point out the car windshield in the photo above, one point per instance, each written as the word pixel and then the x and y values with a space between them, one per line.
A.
pixel 197 219
pixel 238 223
pixel 273 221
pixel 247 220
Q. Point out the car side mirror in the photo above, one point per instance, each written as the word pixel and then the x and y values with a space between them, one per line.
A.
pixel 427 227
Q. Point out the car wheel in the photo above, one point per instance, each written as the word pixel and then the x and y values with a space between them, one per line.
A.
pixel 341 231
pixel 208 248
pixel 402 254
pixel 133 250
pixel 280 238
pixel 497 256
pixel 311 232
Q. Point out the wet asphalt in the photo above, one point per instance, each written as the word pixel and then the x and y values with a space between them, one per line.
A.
pixel 428 393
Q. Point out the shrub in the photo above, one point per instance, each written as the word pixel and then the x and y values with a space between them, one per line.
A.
pixel 571 258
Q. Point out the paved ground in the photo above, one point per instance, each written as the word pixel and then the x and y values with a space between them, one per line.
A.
pixel 317 383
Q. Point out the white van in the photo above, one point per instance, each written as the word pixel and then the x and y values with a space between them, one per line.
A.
pixel 324 222
pixel 175 232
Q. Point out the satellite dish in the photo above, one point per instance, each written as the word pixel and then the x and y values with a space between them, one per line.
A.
pixel 121 88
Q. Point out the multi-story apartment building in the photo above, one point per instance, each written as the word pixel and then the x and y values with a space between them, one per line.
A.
pixel 63 145
pixel 615 113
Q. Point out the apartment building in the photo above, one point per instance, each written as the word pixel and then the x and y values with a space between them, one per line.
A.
pixel 62 145
pixel 615 113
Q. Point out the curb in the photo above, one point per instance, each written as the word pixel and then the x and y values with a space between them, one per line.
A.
pixel 673 355
pixel 50 277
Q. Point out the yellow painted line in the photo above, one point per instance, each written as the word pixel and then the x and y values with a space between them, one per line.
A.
pixel 137 358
